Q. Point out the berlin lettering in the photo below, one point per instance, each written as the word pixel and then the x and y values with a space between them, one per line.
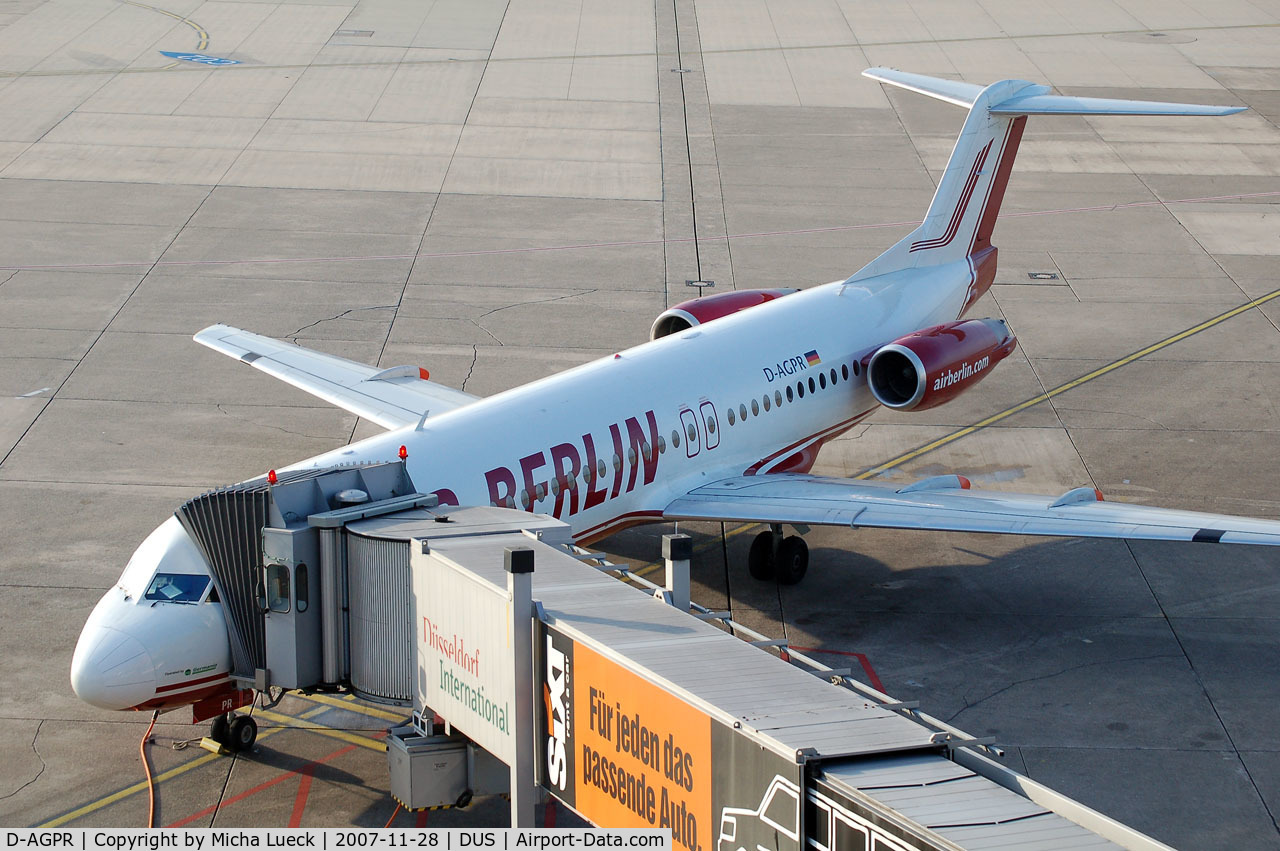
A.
pixel 966 370
pixel 790 366
pixel 564 463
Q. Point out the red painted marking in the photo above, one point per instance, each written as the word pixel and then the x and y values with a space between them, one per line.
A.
pixel 423 374
pixel 207 811
pixel 304 789
pixel 995 194
pixel 962 204
pixel 190 683
pixel 862 660
pixel 549 815
pixel 421 820
pixel 622 521
pixel 821 435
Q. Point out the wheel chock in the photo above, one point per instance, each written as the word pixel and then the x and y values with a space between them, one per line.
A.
pixel 214 746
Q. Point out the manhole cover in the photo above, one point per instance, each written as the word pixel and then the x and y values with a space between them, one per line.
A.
pixel 1152 38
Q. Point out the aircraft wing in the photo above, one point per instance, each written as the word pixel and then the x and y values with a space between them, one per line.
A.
pixel 945 503
pixel 391 398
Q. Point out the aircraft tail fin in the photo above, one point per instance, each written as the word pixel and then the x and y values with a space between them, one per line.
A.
pixel 962 215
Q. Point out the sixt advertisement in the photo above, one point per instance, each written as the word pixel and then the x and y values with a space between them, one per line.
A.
pixel 625 752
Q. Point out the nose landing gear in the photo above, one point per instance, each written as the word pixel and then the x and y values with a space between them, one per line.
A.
pixel 773 556
pixel 236 732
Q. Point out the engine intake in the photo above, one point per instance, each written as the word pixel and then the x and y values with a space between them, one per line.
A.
pixel 699 311
pixel 934 365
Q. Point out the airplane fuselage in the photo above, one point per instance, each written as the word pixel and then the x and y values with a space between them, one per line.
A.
pixel 610 443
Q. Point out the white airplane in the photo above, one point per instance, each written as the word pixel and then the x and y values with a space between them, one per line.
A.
pixel 719 417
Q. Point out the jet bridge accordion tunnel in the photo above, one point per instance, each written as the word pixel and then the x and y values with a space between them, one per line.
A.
pixel 311 601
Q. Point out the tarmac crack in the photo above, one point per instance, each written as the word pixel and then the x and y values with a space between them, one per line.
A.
pixel 971 705
pixel 574 294
pixel 43 765
pixel 293 337
pixel 475 355
pixel 9 277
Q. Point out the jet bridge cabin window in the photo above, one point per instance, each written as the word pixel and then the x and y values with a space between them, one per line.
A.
pixel 278 587
pixel 176 588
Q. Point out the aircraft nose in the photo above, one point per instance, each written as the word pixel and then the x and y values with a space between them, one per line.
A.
pixel 111 669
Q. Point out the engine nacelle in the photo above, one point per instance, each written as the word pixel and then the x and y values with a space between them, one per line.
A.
pixel 933 365
pixel 699 311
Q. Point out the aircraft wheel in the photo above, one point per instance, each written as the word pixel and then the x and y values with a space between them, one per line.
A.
pixel 220 730
pixel 793 560
pixel 760 558
pixel 243 733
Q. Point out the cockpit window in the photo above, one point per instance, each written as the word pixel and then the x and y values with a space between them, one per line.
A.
pixel 176 588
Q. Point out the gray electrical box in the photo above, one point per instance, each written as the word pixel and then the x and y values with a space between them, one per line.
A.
pixel 434 771
pixel 290 600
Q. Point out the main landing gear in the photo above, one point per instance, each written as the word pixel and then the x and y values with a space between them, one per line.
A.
pixel 236 732
pixel 772 556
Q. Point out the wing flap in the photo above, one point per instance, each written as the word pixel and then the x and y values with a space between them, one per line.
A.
pixel 817 500
pixel 392 398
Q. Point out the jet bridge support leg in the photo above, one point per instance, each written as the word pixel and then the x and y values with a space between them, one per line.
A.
pixel 518 562
pixel 677 550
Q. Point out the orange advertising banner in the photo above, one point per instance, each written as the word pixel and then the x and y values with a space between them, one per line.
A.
pixel 643 755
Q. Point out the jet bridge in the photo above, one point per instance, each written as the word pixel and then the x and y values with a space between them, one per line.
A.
pixel 530 668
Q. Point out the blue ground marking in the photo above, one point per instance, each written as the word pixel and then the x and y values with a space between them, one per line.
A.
pixel 200 58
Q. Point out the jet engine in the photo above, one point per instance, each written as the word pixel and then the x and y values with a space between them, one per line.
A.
pixel 698 311
pixel 933 365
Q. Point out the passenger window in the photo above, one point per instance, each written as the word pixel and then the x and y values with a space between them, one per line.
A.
pixel 176 588
pixel 790 396
pixel 777 397
pixel 278 587
pixel 844 371
pixel 822 381
pixel 755 407
pixel 800 388
pixel 732 418
pixel 766 401
pixel 833 376
pixel 812 387
pixel 300 587
pixel 675 438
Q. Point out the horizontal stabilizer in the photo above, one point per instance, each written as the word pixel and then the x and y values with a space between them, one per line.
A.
pixel 1032 99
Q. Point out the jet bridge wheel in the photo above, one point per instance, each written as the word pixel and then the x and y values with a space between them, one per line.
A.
pixel 792 561
pixel 760 558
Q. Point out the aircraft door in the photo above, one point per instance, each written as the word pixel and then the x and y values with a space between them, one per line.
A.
pixel 710 424
pixel 691 436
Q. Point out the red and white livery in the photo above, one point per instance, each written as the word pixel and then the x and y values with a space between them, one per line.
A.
pixel 644 436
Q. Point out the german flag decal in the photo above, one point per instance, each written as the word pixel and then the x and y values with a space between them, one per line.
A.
pixel 813 358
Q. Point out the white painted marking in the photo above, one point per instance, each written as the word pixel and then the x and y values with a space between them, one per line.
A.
pixel 34 393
